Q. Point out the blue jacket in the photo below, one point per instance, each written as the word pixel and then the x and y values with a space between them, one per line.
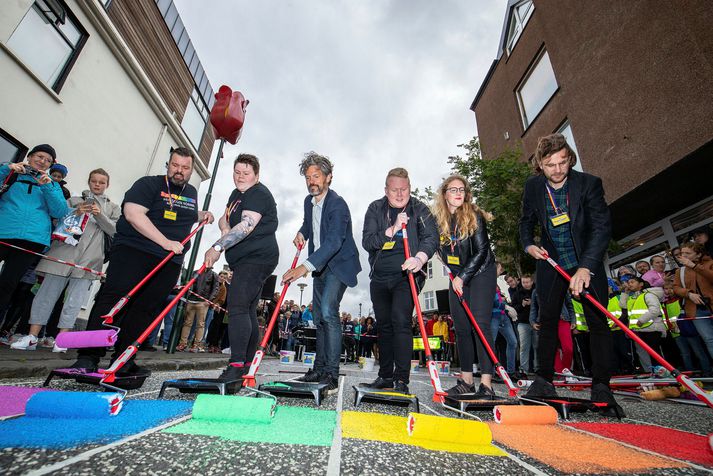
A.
pixel 337 250
pixel 27 208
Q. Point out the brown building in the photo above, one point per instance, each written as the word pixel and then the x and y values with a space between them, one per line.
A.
pixel 630 84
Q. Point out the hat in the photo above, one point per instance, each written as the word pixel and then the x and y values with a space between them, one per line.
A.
pixel 44 148
pixel 59 168
pixel 626 277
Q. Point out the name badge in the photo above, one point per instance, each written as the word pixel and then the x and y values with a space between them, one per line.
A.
pixel 560 219
pixel 453 260
pixel 389 245
pixel 169 215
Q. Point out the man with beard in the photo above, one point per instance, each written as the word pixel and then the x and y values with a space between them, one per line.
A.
pixel 333 260
pixel 157 213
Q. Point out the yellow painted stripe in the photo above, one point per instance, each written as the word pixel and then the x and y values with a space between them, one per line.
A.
pixel 393 429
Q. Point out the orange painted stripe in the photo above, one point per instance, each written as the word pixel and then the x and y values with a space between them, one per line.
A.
pixel 573 452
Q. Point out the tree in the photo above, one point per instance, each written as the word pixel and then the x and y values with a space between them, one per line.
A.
pixel 497 186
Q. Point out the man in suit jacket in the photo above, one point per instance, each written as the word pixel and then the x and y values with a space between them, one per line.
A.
pixel 333 260
pixel 575 225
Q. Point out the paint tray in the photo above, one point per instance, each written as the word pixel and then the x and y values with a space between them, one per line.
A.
pixel 130 382
pixel 565 406
pixel 202 385
pixel 316 391
pixel 385 396
pixel 468 402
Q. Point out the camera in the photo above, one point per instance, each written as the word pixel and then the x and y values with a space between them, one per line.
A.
pixel 33 172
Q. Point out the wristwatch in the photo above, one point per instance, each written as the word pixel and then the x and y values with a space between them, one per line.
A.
pixel 218 247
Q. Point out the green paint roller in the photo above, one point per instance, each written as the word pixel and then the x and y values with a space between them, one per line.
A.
pixel 234 409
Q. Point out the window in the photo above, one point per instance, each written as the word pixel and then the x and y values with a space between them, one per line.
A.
pixel 195 119
pixel 429 300
pixel 536 89
pixel 429 270
pixel 48 40
pixel 11 150
pixel 566 131
pixel 521 14
pixel 445 270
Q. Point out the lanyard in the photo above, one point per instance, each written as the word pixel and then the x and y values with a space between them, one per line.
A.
pixel 388 220
pixel 171 201
pixel 552 199
pixel 454 239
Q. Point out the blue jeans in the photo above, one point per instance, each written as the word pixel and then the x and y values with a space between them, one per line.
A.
pixel 705 329
pixel 208 318
pixel 689 345
pixel 501 324
pixel 327 294
pixel 168 321
pixel 527 333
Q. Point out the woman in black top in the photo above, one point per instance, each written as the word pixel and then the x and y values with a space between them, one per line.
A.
pixel 465 248
pixel 248 238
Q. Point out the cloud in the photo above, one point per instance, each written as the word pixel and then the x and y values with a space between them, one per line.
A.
pixel 371 84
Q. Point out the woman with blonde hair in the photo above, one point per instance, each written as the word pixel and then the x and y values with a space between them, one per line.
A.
pixel 465 249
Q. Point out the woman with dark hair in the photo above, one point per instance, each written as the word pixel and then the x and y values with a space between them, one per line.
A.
pixel 643 304
pixel 368 332
pixel 465 248
pixel 248 238
pixel 694 283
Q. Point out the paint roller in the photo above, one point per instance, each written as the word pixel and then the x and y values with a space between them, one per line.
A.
pixel 234 409
pixel 74 405
pixel 524 415
pixel 432 431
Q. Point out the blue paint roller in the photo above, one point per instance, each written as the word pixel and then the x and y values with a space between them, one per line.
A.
pixel 80 405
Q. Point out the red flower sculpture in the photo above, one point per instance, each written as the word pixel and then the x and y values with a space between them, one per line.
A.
pixel 228 114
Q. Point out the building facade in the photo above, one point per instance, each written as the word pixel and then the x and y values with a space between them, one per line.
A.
pixel 630 87
pixel 112 84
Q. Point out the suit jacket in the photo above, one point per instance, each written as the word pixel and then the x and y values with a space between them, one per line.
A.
pixel 590 223
pixel 337 250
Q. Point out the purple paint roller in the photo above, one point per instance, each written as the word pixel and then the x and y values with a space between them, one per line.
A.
pixel 77 340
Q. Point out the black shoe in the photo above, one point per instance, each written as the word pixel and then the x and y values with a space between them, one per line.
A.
pixel 519 376
pixel 541 388
pixel 332 383
pixel 310 376
pixel 603 394
pixel 147 348
pixel 88 364
pixel 401 387
pixel 130 369
pixel 233 373
pixel 381 383
pixel 484 393
pixel 461 388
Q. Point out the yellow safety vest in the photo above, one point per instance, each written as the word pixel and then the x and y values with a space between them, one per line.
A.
pixel 671 311
pixel 580 323
pixel 614 308
pixel 637 307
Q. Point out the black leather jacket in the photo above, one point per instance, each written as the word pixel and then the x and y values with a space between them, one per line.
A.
pixel 474 251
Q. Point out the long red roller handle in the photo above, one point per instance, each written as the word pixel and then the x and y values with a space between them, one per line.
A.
pixel 680 377
pixel 249 378
pixel 438 394
pixel 130 351
pixel 52 258
pixel 109 317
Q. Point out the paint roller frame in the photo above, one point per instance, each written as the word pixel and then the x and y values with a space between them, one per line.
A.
pixel 368 394
pixel 675 373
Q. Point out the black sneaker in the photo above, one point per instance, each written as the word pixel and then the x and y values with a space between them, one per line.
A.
pixel 401 387
pixel 147 348
pixel 461 388
pixel 603 394
pixel 130 369
pixel 541 388
pixel 233 373
pixel 332 383
pixel 519 376
pixel 381 382
pixel 88 364
pixel 484 393
pixel 310 376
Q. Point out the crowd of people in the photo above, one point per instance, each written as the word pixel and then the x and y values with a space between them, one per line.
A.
pixel 540 324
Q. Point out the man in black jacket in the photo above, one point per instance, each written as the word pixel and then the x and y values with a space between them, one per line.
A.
pixel 575 225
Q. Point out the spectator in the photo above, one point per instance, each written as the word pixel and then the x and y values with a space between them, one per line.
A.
pixel 59 172
pixel 349 340
pixel 430 322
pixel 643 304
pixel 684 333
pixel 500 324
pixel 521 301
pixel 623 359
pixel 357 336
pixel 368 336
pixel 694 283
pixel 216 309
pixel 29 199
pixel 625 271
pixel 89 252
pixel 206 286
pixel 642 267
pixel 19 307
pixel 513 284
pixel 307 315
pixel 675 254
pixel 702 236
pixel 655 276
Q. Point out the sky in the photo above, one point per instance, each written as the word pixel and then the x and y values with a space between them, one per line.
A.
pixel 371 84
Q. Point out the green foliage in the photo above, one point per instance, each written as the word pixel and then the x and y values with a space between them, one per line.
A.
pixel 426 196
pixel 497 187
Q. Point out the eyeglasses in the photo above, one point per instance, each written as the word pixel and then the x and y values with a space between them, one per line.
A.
pixel 40 158
pixel 456 190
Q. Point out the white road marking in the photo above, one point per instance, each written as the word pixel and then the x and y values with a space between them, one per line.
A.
pixel 335 453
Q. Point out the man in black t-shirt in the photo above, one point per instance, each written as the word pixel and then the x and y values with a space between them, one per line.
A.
pixel 158 212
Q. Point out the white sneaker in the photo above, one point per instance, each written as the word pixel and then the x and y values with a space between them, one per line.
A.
pixel 226 350
pixel 57 348
pixel 28 342
pixel 47 342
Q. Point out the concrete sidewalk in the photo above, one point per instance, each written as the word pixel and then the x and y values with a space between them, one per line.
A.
pixel 38 363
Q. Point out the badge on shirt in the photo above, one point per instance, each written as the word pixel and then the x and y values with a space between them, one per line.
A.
pixel 389 245
pixel 169 215
pixel 560 219
pixel 453 260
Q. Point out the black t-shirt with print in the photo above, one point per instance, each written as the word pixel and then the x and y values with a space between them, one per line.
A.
pixel 388 266
pixel 260 246
pixel 152 192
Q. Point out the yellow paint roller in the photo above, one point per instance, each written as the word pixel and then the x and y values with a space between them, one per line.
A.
pixel 525 415
pixel 435 431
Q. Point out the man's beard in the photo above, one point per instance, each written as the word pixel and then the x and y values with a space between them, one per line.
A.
pixel 178 181
pixel 313 192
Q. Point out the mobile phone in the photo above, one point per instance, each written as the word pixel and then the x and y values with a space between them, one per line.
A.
pixel 90 200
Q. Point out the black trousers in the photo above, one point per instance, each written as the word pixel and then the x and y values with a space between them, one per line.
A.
pixel 393 306
pixel 127 267
pixel 551 290
pixel 479 294
pixel 15 263
pixel 243 296
pixel 623 358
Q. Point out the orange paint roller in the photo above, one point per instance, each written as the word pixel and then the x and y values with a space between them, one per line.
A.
pixel 525 415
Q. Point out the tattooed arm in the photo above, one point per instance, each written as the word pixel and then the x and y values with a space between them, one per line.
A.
pixel 233 236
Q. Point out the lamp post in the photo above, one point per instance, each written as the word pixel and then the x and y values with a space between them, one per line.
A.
pixel 359 309
pixel 302 287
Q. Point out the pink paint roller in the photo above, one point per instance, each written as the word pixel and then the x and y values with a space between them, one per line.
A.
pixel 78 340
